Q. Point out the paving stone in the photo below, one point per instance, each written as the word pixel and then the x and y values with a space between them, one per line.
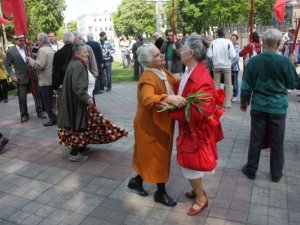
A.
pixel 75 181
pixel 236 215
pixel 116 217
pixel 12 165
pixel 214 221
pixel 133 220
pixel 216 212
pixel 52 175
pixel 38 209
pixel 32 220
pixel 31 170
pixel 13 201
pixel 277 221
pixel 257 219
pixel 278 213
pixel 6 211
pixel 152 222
pixel 158 214
pixel 18 217
pixel 67 217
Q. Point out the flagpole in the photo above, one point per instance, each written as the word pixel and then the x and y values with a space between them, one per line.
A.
pixel 296 35
pixel 173 19
pixel 251 20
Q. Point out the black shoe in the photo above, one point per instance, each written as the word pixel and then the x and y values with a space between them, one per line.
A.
pixel 108 90
pixel 41 115
pixel 5 101
pixel 249 175
pixel 49 123
pixel 134 185
pixel 164 199
pixel 4 142
pixel 276 179
pixel 24 118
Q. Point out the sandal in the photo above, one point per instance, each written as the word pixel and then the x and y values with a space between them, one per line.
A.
pixel 193 212
pixel 192 195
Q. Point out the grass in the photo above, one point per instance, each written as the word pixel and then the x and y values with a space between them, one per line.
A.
pixel 120 74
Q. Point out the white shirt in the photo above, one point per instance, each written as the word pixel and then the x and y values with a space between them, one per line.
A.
pixel 54 47
pixel 22 52
pixel 184 78
pixel 222 52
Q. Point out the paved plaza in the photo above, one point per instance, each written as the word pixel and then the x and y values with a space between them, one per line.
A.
pixel 39 185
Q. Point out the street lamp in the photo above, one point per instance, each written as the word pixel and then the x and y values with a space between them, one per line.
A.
pixel 157 14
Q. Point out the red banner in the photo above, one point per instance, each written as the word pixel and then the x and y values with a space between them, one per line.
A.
pixel 17 9
pixel 279 9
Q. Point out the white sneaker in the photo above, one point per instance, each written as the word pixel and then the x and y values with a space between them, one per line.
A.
pixel 289 91
pixel 78 158
pixel 234 99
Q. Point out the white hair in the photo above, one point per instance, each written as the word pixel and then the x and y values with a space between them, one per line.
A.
pixel 90 37
pixel 68 38
pixel 144 54
pixel 43 37
pixel 272 37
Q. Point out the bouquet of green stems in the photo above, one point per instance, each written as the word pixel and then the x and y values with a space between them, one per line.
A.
pixel 194 99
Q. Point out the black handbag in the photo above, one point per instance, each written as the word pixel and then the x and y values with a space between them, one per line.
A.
pixel 11 85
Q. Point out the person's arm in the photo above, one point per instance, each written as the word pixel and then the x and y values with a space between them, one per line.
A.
pixel 56 72
pixel 232 52
pixel 92 64
pixel 291 76
pixel 246 87
pixel 8 63
pixel 163 47
pixel 79 84
pixel 41 60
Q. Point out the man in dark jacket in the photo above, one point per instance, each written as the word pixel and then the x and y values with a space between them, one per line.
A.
pixel 61 60
pixel 99 86
pixel 172 50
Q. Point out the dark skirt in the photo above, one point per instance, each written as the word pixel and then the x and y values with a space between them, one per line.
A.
pixel 99 131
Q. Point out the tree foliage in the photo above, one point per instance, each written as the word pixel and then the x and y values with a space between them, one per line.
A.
pixel 44 16
pixel 200 15
pixel 134 17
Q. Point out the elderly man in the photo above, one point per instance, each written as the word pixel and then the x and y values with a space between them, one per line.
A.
pixel 23 76
pixel 266 78
pixel 91 63
pixel 99 86
pixel 158 40
pixel 61 60
pixel 43 64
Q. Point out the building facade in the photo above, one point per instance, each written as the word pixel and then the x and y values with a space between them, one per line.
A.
pixel 95 23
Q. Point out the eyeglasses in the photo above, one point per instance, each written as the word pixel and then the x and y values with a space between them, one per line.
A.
pixel 101 35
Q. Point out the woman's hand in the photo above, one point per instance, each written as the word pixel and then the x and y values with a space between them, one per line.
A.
pixel 90 102
pixel 175 100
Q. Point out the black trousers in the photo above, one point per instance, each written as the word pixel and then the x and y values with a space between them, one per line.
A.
pixel 274 125
pixel 46 95
pixel 3 89
pixel 99 85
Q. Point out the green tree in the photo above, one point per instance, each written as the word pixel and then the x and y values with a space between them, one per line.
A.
pixel 200 15
pixel 134 17
pixel 44 16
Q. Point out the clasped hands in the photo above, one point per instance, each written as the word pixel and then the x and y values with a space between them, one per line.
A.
pixel 175 100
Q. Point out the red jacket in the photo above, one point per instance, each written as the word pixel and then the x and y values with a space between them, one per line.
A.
pixel 207 127
pixel 248 49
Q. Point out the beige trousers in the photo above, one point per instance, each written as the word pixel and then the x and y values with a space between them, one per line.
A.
pixel 227 83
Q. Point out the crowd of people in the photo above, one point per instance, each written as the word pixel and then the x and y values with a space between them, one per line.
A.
pixel 178 80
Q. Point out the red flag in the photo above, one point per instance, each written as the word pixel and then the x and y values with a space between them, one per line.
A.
pixel 4 21
pixel 17 8
pixel 279 9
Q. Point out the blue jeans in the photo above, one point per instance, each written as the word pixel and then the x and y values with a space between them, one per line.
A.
pixel 107 75
pixel 235 75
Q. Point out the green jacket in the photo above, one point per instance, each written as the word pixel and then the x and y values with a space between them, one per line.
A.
pixel 266 79
pixel 73 106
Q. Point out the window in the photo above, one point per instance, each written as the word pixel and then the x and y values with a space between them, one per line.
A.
pixel 105 28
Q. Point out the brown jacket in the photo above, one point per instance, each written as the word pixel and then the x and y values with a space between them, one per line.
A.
pixel 153 131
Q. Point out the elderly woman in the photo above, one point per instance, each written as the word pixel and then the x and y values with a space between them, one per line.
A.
pixel 79 121
pixel 198 134
pixel 153 131
pixel 265 81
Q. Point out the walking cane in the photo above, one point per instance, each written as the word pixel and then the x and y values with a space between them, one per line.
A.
pixel 18 88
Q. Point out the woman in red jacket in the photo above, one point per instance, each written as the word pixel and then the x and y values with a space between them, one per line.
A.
pixel 200 131
pixel 252 49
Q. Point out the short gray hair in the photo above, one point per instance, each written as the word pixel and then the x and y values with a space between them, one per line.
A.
pixel 68 37
pixel 43 37
pixel 90 37
pixel 198 45
pixel 272 37
pixel 144 54
pixel 77 49
pixel 78 34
